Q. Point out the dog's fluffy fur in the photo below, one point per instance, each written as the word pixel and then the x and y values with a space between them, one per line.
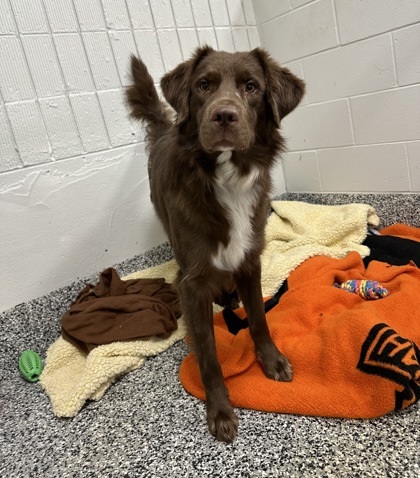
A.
pixel 210 181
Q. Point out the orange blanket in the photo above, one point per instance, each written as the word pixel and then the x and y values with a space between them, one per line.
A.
pixel 351 358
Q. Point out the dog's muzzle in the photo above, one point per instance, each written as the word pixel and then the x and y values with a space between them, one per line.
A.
pixel 225 126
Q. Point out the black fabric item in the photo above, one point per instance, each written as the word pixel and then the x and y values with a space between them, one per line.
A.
pixel 393 250
pixel 270 303
pixel 235 323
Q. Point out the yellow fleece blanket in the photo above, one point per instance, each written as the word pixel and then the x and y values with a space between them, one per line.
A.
pixel 295 232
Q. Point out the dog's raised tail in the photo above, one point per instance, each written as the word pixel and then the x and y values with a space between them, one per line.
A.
pixel 145 104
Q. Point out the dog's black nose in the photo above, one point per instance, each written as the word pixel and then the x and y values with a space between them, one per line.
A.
pixel 224 115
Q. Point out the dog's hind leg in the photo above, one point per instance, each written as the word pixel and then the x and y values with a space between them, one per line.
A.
pixel 197 308
pixel 275 364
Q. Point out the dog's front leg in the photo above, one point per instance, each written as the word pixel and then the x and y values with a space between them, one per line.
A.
pixel 275 364
pixel 197 310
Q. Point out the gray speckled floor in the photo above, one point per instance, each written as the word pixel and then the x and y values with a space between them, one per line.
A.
pixel 146 425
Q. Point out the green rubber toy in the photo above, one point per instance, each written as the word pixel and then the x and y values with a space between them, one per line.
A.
pixel 30 365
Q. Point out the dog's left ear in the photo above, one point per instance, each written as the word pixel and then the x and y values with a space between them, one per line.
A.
pixel 176 84
pixel 284 89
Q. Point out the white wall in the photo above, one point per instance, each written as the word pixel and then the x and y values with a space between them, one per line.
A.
pixel 74 194
pixel 358 128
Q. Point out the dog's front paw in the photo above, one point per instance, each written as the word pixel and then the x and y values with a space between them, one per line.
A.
pixel 275 365
pixel 223 424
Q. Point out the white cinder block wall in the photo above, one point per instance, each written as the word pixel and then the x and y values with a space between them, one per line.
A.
pixel 74 194
pixel 358 128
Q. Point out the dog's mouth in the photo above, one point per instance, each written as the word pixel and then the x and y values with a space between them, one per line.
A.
pixel 216 139
pixel 223 145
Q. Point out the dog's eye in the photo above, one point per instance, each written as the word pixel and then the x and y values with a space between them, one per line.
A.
pixel 203 85
pixel 250 87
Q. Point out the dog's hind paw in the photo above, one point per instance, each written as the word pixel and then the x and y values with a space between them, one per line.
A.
pixel 223 424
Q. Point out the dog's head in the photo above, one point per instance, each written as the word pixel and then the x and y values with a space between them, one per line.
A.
pixel 224 96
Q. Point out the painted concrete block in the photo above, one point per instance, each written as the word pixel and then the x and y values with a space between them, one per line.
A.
pixel 266 10
pixel 61 16
pixel 240 38
pixel 149 50
pixel 15 79
pixel 8 152
pixel 101 60
pixel 61 127
pixel 407 56
pixel 301 172
pixel 116 14
pixel 361 67
pixel 170 48
pixel 236 13
pixel 207 36
pixel 7 21
pixel 90 15
pixel 116 117
pixel 202 14
pixel 219 12
pixel 123 46
pixel 183 13
pixel 45 70
pixel 388 116
pixel 188 40
pixel 162 13
pixel 29 16
pixel 140 14
pixel 254 38
pixel 318 126
pixel 376 168
pixel 90 123
pixel 249 12
pixel 225 39
pixel 287 36
pixel 29 132
pixel 74 63
pixel 360 19
pixel 413 150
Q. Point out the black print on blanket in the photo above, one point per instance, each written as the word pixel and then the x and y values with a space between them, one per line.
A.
pixel 391 356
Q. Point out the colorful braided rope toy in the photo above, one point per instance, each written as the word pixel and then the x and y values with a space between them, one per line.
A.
pixel 367 289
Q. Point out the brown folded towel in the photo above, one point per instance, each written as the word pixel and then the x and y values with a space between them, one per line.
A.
pixel 115 310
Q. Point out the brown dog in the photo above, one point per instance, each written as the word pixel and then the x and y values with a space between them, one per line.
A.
pixel 210 182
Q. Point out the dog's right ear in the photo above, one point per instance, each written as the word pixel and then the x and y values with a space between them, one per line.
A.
pixel 176 85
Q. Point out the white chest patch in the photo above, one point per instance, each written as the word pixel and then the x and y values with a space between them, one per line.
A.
pixel 237 194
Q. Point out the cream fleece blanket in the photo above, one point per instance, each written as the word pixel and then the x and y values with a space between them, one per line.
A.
pixel 295 232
